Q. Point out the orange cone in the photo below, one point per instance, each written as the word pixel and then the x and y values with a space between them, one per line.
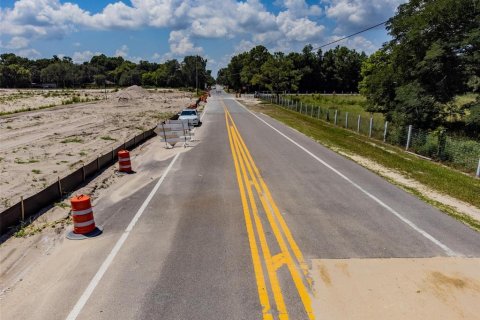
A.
pixel 83 221
pixel 124 164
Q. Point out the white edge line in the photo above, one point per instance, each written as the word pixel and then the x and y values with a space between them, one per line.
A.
pixel 445 248
pixel 118 245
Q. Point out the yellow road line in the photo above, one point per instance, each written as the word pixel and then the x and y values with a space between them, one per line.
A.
pixel 302 291
pixel 293 245
pixel 257 265
pixel 276 289
pixel 269 205
pixel 278 260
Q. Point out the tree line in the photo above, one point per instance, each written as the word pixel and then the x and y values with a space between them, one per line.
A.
pixel 20 72
pixel 336 70
pixel 432 58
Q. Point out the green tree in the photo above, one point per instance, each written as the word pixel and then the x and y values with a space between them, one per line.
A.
pixel 432 57
pixel 278 74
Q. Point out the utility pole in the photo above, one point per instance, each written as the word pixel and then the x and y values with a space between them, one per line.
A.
pixel 196 74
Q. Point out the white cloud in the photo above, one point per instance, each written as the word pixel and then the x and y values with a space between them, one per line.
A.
pixel 296 24
pixel 122 52
pixel 353 14
pixel 190 18
pixel 79 57
pixel 28 53
pixel 181 44
pixel 302 29
pixel 17 43
pixel 358 43
pixel 299 8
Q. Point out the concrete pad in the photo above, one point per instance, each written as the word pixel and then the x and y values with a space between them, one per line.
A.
pixel 424 288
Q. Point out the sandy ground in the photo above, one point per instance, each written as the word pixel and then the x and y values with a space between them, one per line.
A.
pixel 12 100
pixel 427 288
pixel 28 259
pixel 39 146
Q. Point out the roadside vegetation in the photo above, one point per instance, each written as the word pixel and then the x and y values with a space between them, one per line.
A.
pixel 433 175
pixel 450 147
pixel 427 76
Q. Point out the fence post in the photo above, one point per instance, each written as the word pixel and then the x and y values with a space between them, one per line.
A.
pixel 478 169
pixel 311 113
pixel 385 132
pixel 409 136
pixel 328 115
pixel 318 112
pixel 346 120
pixel 336 113
pixel 60 191
pixel 22 208
pixel 358 123
pixel 370 127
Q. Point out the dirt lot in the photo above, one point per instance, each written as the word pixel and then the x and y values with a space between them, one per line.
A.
pixel 39 146
pixel 15 100
pixel 422 288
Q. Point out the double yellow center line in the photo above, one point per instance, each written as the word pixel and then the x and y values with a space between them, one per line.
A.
pixel 250 182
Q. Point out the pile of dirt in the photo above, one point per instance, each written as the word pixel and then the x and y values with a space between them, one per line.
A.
pixel 131 93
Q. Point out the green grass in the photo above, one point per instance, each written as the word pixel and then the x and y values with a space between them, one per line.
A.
pixel 21 161
pixel 464 99
pixel 6 113
pixel 72 140
pixel 343 103
pixel 108 138
pixel 433 175
pixel 36 171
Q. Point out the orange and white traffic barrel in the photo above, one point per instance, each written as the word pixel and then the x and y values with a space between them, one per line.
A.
pixel 124 164
pixel 83 221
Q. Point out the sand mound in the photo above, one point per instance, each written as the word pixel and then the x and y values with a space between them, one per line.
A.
pixel 131 93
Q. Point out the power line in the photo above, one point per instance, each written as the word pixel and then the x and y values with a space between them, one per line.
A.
pixel 351 35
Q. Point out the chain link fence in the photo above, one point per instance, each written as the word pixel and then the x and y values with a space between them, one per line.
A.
pixel 457 152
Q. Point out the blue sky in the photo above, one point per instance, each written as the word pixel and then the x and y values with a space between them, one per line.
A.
pixel 157 30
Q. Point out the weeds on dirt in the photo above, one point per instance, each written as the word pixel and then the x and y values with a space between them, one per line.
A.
pixel 61 205
pixel 5 202
pixel 6 113
pixel 108 138
pixel 72 140
pixel 27 229
pixel 36 171
pixel 21 161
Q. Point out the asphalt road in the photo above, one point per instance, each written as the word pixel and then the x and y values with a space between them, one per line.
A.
pixel 231 228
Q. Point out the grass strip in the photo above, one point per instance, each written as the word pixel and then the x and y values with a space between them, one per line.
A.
pixel 433 175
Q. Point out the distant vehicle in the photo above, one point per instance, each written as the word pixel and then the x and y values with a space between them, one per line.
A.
pixel 191 115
